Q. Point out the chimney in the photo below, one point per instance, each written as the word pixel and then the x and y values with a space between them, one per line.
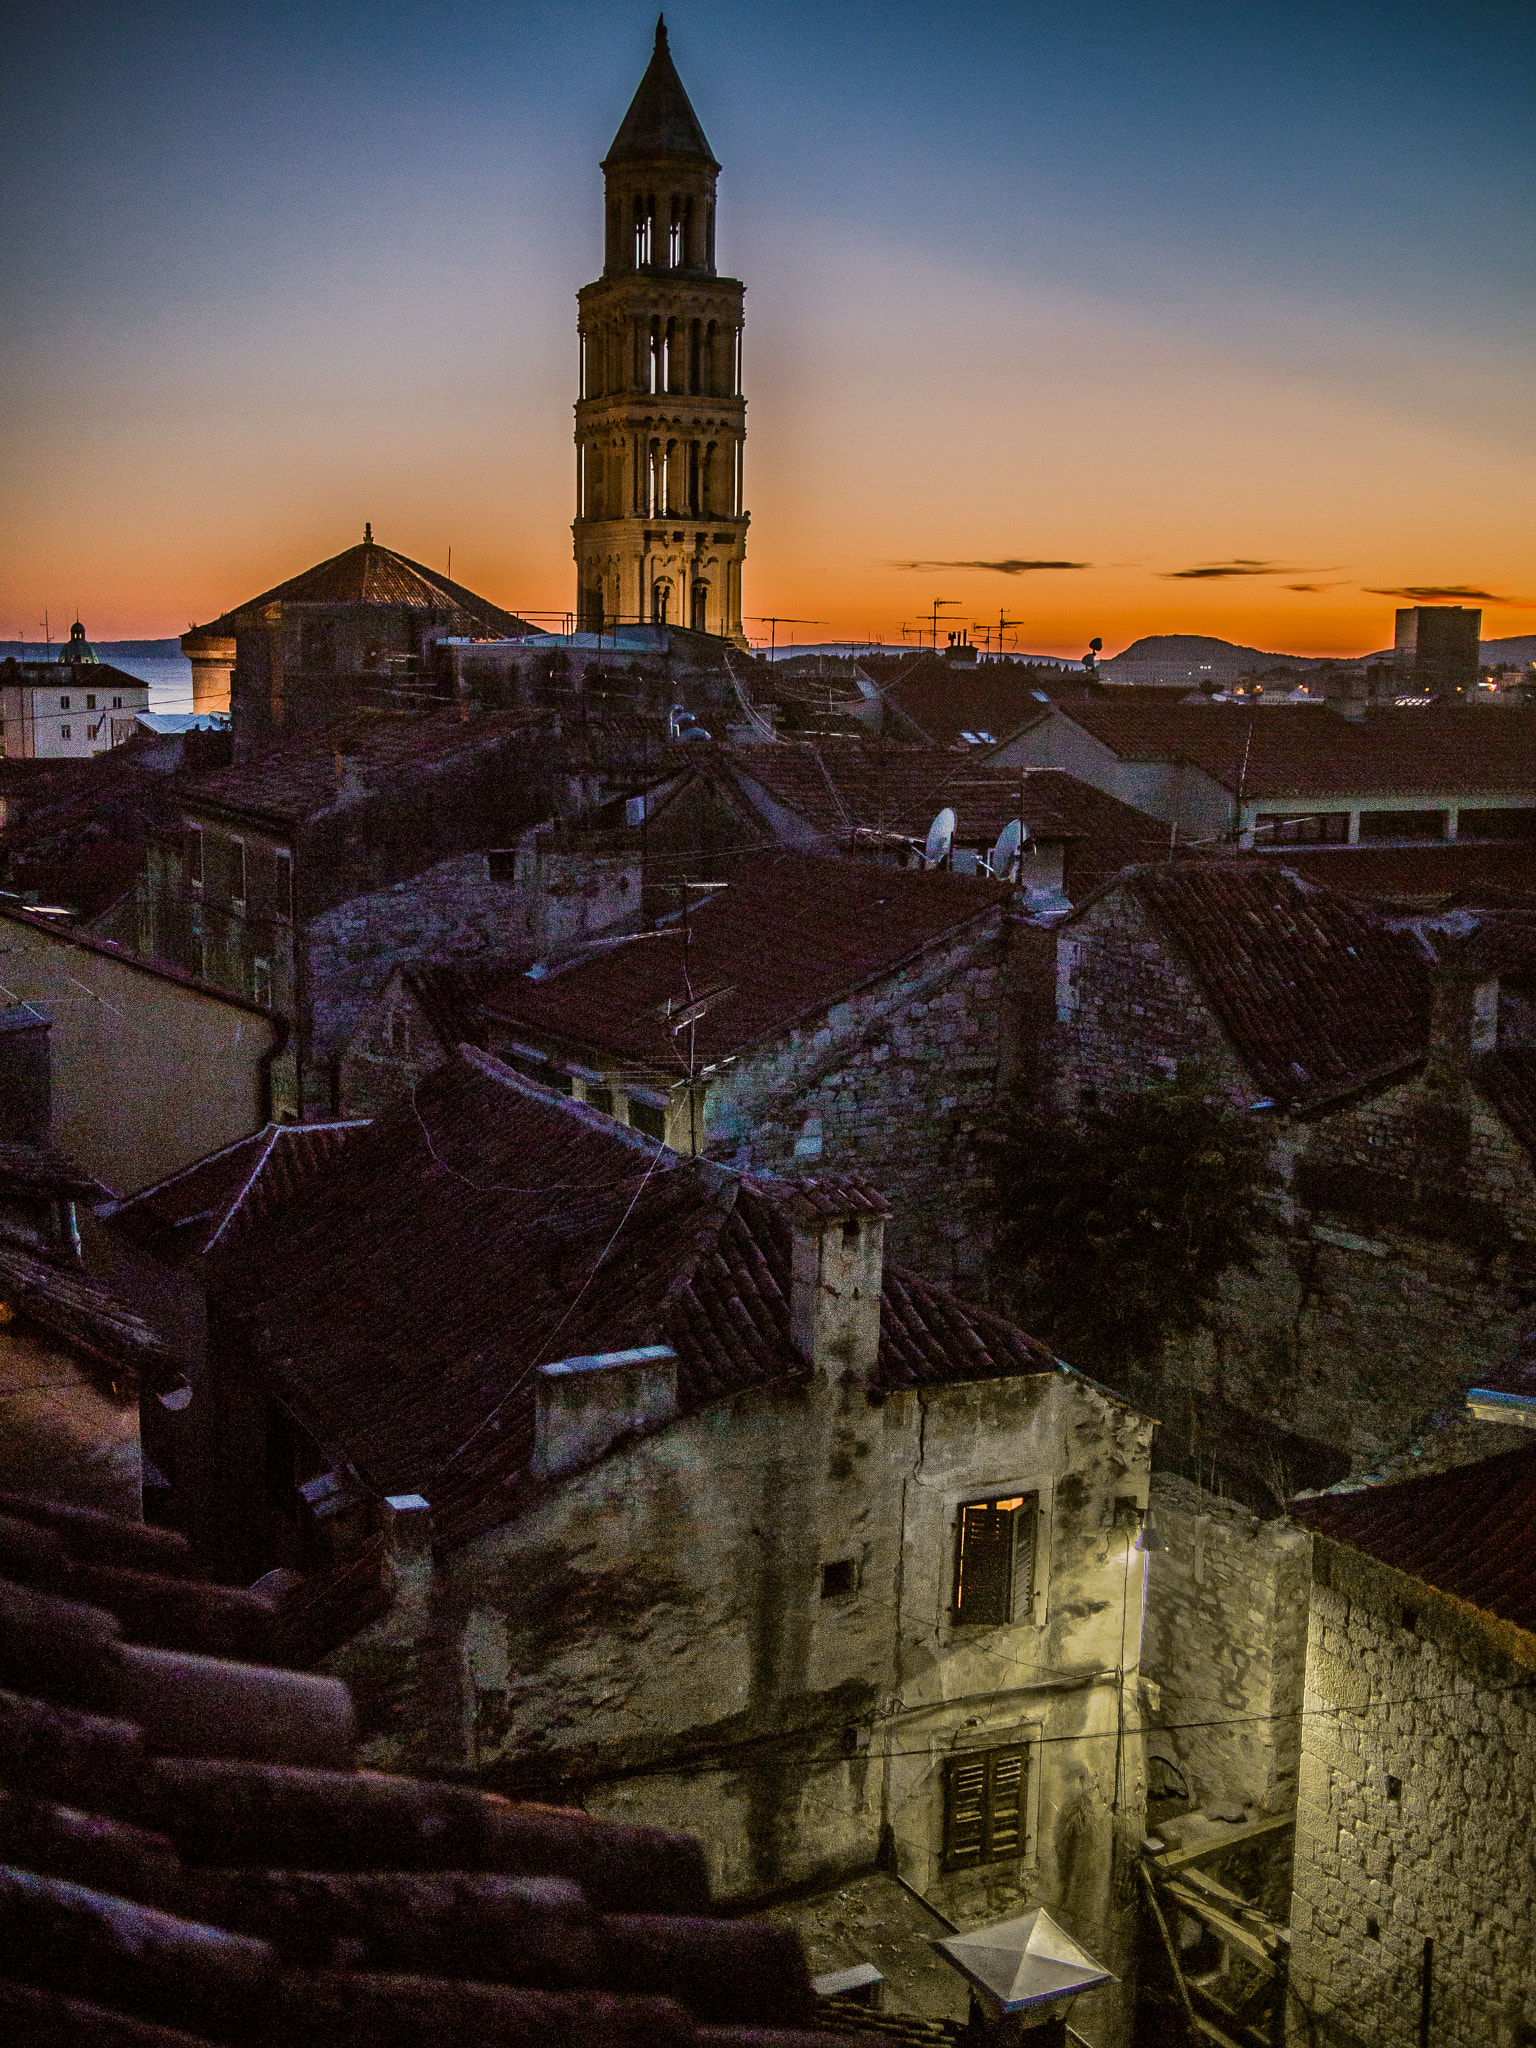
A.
pixel 26 1087
pixel 585 1405
pixel 837 1260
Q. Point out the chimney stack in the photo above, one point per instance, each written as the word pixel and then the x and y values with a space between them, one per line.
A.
pixel 837 1261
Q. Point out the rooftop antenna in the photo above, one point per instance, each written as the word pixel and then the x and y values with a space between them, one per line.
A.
pixel 47 637
pixel 936 604
pixel 941 836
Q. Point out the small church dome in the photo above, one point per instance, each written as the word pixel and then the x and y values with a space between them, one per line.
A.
pixel 79 649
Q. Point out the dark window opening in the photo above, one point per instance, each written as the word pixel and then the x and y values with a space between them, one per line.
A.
pixel 317 646
pixel 850 1230
pixel 600 1098
pixel 1372 1928
pixel 1403 824
pixel 90 703
pixel 1394 1789
pixel 1329 828
pixel 261 983
pixel 502 864
pixel 984 1813
pixel 838 1580
pixel 1410 1620
pixel 194 855
pixel 1513 824
pixel 1087 1098
pixel 646 1117
pixel 995 1560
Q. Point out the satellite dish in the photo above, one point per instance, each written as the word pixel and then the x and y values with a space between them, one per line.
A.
pixel 1005 855
pixel 941 835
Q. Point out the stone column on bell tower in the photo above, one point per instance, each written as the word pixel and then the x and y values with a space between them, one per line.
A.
pixel 660 530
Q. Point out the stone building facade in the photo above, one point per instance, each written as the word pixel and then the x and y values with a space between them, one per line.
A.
pixel 1390 1067
pixel 301 880
pixel 660 529
pixel 682 1501
pixel 1418 1766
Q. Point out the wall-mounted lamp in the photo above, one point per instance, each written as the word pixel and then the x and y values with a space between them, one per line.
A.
pixel 1129 1511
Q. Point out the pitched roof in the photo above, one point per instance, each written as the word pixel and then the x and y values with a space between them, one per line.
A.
pixel 188 1853
pixel 845 787
pixel 1316 992
pixel 89 1317
pixel 1411 873
pixel 791 934
pixel 413 1357
pixel 371 574
pixel 299 778
pixel 1469 1532
pixel 43 1170
pixel 215 1200
pixel 945 699
pixel 1301 752
pixel 661 120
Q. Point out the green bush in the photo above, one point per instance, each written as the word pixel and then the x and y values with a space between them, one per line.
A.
pixel 1116 1228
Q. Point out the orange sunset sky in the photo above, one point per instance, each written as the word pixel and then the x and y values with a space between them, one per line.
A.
pixel 1190 315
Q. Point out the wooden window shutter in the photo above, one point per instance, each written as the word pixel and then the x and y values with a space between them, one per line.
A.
pixel 984 1811
pixel 995 1560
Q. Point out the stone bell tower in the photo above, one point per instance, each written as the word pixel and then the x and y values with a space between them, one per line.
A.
pixel 660 531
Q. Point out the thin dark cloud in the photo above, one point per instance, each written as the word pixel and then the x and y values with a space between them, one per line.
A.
pixel 1011 567
pixel 1240 565
pixel 1310 589
pixel 1455 593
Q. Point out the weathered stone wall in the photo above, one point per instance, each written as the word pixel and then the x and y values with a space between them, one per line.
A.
pixel 531 904
pixel 896 1083
pixel 1225 1642
pixel 655 1637
pixel 1399 1259
pixel 1418 1780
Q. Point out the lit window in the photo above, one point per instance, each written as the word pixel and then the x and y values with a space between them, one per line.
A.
pixel 995 1560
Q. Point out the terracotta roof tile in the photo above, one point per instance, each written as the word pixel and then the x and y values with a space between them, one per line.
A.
pixel 1316 992
pixel 415 1362
pixel 213 1201
pixel 1302 751
pixel 1418 874
pixel 1470 1532
pixel 790 935
pixel 152 1898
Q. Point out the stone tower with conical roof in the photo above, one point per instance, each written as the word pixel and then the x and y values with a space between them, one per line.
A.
pixel 660 531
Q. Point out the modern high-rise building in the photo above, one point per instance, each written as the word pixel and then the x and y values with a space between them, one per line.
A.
pixel 1440 645
pixel 660 531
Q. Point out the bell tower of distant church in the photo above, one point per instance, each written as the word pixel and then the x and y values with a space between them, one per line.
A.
pixel 660 531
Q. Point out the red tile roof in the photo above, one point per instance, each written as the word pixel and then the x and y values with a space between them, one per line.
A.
pixel 370 574
pixel 1301 751
pixel 311 774
pixel 407 1293
pixel 792 934
pixel 188 1854
pixel 842 787
pixel 944 699
pixel 1410 873
pixel 89 1317
pixel 1470 1533
pixel 1316 992
pixel 214 1201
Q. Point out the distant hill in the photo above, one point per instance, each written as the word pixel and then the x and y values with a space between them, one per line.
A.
pixel 1513 653
pixel 109 650
pixel 1200 650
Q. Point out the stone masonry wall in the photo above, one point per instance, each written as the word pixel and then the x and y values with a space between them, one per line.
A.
pixel 1418 1780
pixel 895 1084
pixel 1224 1640
pixel 1399 1259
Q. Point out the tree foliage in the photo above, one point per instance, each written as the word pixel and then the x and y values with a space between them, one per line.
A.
pixel 1115 1230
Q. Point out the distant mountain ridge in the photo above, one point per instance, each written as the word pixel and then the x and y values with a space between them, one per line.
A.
pixel 1199 649
pixel 109 650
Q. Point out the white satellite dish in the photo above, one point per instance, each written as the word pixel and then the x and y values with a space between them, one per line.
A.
pixel 940 838
pixel 1005 855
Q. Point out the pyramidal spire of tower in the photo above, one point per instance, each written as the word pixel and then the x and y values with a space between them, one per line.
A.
pixel 661 121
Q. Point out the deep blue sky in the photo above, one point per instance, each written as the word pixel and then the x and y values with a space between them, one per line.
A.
pixel 1022 280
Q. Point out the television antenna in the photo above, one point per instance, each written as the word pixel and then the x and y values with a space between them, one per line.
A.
pixel 773 625
pixel 941 836
pixel 937 602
